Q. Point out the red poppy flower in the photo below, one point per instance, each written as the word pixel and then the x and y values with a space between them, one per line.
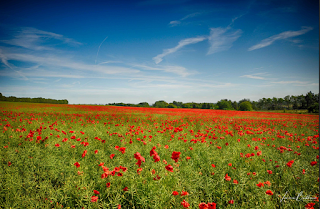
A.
pixel 94 199
pixel 185 204
pixel 267 183
pixel 139 170
pixel 125 189
pixel 111 156
pixel 96 192
pixel 269 192
pixel 310 205
pixel 231 202
pixel 84 153
pixel 175 193
pixel 156 158
pixel 184 193
pixel 153 151
pixel 235 181
pixel 211 205
pixel 175 156
pixel 169 168
pixel 188 158
pixel 303 171
pixel 116 147
pixel 77 164
pixel 289 164
pixel 230 164
pixel 313 163
pixel 260 184
pixel 124 169
pixel 203 205
pixel 96 151
pixel 57 145
pixel 108 184
pixel 227 178
pixel 9 163
pixel 213 165
pixel 269 171
pixel 122 149
pixel 166 146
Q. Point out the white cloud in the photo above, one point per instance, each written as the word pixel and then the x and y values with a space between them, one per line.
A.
pixel 297 83
pixel 179 70
pixel 220 40
pixel 66 63
pixel 181 44
pixel 32 38
pixel 174 23
pixel 283 35
pixel 178 22
pixel 253 76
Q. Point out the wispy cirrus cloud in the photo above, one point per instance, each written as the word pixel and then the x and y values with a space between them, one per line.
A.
pixel 297 83
pixel 221 39
pixel 53 61
pixel 179 70
pixel 178 22
pixel 34 39
pixel 181 44
pixel 253 77
pixel 280 36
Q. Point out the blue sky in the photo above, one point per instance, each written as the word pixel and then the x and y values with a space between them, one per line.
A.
pixel 98 52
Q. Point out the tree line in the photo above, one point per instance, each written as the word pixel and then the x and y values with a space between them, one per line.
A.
pixel 32 100
pixel 310 101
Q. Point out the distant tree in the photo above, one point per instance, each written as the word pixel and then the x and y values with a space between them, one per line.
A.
pixel 287 101
pixel 186 105
pixel 254 105
pixel 245 106
pixel 302 102
pixel 143 104
pixel 160 104
pixel 224 105
pixel 280 103
pixel 310 99
pixel 171 105
pixel 178 104
pixel 235 105
pixel 196 105
pixel 314 108
pixel 243 100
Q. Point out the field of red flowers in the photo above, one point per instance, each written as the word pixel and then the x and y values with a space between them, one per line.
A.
pixel 73 156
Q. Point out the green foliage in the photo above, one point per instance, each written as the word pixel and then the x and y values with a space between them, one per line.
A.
pixel 160 104
pixel 171 106
pixel 224 105
pixel 314 108
pixel 245 106
pixel 32 100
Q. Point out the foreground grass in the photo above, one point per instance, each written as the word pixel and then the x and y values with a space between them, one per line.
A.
pixel 37 173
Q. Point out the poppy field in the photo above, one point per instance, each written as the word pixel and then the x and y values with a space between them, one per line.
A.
pixel 81 156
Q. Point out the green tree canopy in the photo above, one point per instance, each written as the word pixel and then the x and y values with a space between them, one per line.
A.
pixel 245 106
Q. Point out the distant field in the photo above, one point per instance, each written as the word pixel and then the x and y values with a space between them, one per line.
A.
pixel 289 111
pixel 81 156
